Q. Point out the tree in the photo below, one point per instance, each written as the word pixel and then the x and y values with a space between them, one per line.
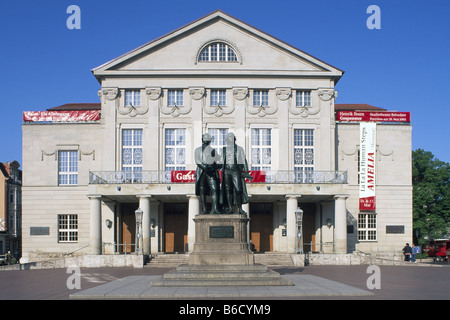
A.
pixel 431 195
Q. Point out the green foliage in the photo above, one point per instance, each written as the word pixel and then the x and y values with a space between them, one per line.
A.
pixel 431 195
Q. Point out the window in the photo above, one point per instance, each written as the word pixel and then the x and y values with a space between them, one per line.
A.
pixel 218 51
pixel 175 98
pixel 367 227
pixel 261 98
pixel 67 228
pixel 218 139
pixel 303 155
pixel 175 149
pixel 261 153
pixel 218 98
pixel 67 167
pixel 132 154
pixel 303 98
pixel 132 97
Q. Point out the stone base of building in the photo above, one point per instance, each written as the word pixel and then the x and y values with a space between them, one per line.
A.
pixel 84 261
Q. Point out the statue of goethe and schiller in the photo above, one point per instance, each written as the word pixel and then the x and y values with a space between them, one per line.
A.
pixel 233 164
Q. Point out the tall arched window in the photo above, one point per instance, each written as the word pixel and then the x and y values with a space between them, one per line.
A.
pixel 218 51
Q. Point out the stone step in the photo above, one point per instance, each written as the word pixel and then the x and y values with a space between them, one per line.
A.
pixel 167 260
pixel 221 275
pixel 273 259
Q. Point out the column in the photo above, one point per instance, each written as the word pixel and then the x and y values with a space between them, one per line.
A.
pixel 96 224
pixel 144 204
pixel 340 224
pixel 194 209
pixel 291 230
pixel 246 208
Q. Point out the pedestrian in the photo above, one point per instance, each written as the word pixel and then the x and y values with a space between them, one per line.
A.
pixel 407 250
pixel 415 250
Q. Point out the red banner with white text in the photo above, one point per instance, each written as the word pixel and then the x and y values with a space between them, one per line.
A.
pixel 61 116
pixel 188 176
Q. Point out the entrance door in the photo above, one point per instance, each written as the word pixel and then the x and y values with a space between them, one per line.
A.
pixel 309 226
pixel 128 227
pixel 261 226
pixel 175 227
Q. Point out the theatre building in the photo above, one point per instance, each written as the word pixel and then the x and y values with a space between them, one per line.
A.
pixel 87 168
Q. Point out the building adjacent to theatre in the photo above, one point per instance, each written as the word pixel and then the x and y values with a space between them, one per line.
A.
pixel 89 167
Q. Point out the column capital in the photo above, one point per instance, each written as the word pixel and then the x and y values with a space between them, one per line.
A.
pixel 291 196
pixel 143 196
pixel 94 196
pixel 192 196
pixel 341 196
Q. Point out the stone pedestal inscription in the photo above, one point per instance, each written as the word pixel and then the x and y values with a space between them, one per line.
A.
pixel 221 239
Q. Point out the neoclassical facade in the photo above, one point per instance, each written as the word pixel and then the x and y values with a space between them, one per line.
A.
pixel 89 167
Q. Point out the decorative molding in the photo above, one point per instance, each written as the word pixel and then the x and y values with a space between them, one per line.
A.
pixel 110 93
pixel 240 93
pixel 153 93
pixel 326 94
pixel 197 93
pixel 283 93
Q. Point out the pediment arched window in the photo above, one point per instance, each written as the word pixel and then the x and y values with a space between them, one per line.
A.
pixel 218 51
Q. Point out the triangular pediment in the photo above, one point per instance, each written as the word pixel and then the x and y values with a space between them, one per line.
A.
pixel 178 52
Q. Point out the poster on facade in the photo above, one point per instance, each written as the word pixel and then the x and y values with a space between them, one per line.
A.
pixel 368 133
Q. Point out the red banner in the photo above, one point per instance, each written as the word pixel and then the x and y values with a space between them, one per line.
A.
pixel 188 176
pixel 367 203
pixel 182 176
pixel 61 116
pixel 368 116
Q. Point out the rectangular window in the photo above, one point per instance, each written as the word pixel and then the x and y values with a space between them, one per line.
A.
pixel 367 227
pixel 303 155
pixel 218 98
pixel 261 98
pixel 175 98
pixel 261 150
pixel 218 139
pixel 132 154
pixel 67 168
pixel 67 228
pixel 303 98
pixel 132 97
pixel 175 154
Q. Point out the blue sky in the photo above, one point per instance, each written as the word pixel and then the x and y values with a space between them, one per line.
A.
pixel 403 66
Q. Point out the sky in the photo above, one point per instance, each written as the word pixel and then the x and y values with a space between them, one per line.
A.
pixel 402 66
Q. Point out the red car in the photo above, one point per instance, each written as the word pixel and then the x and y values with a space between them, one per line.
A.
pixel 439 249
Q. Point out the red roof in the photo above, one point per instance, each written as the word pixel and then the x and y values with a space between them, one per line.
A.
pixel 77 107
pixel 356 107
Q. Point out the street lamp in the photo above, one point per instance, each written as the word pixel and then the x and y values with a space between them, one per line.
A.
pixel 138 215
pixel 298 220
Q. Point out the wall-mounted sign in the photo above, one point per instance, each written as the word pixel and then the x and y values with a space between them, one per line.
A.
pixel 369 116
pixel 368 133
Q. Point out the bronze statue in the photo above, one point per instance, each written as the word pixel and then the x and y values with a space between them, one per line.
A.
pixel 207 176
pixel 234 172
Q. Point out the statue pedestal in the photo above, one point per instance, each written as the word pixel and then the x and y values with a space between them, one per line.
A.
pixel 221 257
pixel 221 239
